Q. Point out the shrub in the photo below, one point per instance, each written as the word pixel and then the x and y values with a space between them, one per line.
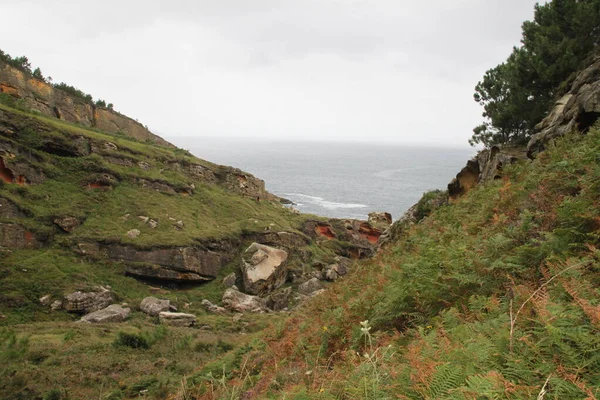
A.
pixel 133 340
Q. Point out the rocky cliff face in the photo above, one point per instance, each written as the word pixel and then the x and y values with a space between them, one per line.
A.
pixel 43 97
pixel 485 166
pixel 579 109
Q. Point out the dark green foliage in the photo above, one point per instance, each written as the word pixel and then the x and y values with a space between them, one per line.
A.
pixel 133 340
pixel 53 394
pixel 74 91
pixel 429 202
pixel 21 63
pixel 563 36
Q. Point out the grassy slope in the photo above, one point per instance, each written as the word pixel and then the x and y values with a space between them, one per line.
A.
pixel 440 300
pixel 41 350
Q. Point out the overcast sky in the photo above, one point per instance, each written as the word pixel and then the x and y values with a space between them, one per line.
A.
pixel 384 70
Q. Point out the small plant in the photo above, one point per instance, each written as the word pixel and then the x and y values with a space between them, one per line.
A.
pixel 53 394
pixel 135 341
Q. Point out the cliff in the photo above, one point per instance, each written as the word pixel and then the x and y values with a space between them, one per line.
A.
pixel 50 101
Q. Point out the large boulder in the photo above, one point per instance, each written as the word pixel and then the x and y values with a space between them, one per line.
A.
pixel 176 319
pixel 87 302
pixel 153 306
pixel 264 269
pixel 112 313
pixel 235 300
pixel 578 109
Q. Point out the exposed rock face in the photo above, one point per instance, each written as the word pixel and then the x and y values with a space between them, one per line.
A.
pixel 87 302
pixel 485 166
pixel 53 102
pixel 578 109
pixel 67 224
pixel 192 264
pixel 310 286
pixel 263 268
pixel 280 299
pixel 153 306
pixel 380 218
pixel 112 313
pixel 288 240
pixel 9 210
pixel 465 180
pixel 16 237
pixel 244 183
pixel 235 300
pixel 177 319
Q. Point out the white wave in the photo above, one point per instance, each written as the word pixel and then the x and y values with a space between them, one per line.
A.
pixel 319 201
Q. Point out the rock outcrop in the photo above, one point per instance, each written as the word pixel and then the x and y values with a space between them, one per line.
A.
pixel 17 237
pixel 578 109
pixel 188 264
pixel 380 218
pixel 177 319
pixel 48 100
pixel 87 302
pixel 485 166
pixel 264 268
pixel 153 306
pixel 235 300
pixel 112 313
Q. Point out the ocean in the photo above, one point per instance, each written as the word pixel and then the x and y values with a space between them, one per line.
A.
pixel 341 180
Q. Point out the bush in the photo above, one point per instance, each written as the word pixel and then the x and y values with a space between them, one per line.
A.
pixel 133 340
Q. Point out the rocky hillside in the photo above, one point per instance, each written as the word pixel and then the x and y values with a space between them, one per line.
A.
pixel 103 222
pixel 491 292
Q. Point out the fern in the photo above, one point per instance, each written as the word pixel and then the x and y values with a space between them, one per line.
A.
pixel 446 377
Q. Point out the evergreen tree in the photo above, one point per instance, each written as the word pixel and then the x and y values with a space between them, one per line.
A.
pixel 516 94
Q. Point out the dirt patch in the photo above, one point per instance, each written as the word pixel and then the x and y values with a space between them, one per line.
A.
pixel 324 231
pixel 368 232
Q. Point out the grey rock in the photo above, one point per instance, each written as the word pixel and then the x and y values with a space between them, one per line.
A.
pixel 153 306
pixel 229 280
pixel 112 313
pixel 213 308
pixel 331 272
pixel 56 305
pixel 280 299
pixel 264 268
pixel 46 300
pixel 87 302
pixel 67 224
pixel 177 319
pixel 237 301
pixel 133 233
pixel 310 286
pixel 578 109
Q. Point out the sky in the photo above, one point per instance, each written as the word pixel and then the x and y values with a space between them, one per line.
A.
pixel 337 70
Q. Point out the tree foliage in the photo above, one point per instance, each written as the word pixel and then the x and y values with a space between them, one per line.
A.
pixel 517 94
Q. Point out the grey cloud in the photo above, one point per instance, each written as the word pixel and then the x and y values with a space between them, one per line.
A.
pixel 338 69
